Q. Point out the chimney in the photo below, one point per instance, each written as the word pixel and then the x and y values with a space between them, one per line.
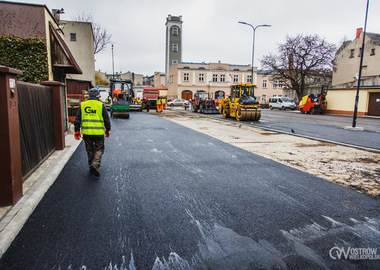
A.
pixel 358 31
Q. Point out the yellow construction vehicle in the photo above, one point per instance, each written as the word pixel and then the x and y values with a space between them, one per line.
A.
pixel 241 103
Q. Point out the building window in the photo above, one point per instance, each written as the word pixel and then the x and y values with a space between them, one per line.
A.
pixel 264 97
pixel 360 52
pixel 175 47
pixel 352 52
pixel 73 37
pixel 372 51
pixel 275 84
pixel 264 83
pixel 186 77
pixel 222 78
pixel 236 78
pixel 174 62
pixel 175 31
pixel 249 79
pixel 201 77
pixel 280 84
pixel 214 77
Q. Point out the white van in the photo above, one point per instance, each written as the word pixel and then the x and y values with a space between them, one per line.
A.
pixel 281 103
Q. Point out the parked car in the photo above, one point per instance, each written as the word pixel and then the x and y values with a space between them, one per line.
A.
pixel 281 103
pixel 178 102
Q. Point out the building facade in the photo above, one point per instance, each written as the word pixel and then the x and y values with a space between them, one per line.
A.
pixel 80 39
pixel 33 20
pixel 185 79
pixel 347 62
pixel 268 86
pixel 173 48
pixel 159 79
pixel 342 95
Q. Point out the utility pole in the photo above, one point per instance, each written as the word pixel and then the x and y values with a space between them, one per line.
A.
pixel 360 70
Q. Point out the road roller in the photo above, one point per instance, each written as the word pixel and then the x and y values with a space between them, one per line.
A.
pixel 241 104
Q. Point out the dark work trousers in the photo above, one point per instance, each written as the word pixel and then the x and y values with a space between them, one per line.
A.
pixel 95 149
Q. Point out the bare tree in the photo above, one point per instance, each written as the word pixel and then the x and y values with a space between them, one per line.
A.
pixel 101 36
pixel 300 58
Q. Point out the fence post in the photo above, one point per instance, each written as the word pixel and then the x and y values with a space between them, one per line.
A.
pixel 10 149
pixel 57 102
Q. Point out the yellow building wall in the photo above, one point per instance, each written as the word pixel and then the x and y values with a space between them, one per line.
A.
pixel 342 101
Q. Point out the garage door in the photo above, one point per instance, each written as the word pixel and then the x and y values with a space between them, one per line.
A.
pixel 374 104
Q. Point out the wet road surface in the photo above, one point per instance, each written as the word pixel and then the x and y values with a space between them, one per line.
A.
pixel 171 198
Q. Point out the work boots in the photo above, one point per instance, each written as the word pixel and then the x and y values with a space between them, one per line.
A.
pixel 94 170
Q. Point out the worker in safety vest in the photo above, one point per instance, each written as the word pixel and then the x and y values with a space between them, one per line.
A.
pixel 158 104
pixel 93 120
pixel 164 103
pixel 116 93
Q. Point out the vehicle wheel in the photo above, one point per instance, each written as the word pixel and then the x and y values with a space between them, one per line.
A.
pixel 283 108
pixel 171 105
pixel 226 112
pixel 201 109
pixel 270 107
pixel 302 111
pixel 312 111
pixel 193 107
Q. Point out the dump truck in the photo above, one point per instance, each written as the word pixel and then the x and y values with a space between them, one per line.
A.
pixel 151 94
pixel 204 103
pixel 241 104
pixel 314 104
pixel 120 97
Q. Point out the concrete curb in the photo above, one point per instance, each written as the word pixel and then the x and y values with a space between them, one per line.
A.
pixel 41 180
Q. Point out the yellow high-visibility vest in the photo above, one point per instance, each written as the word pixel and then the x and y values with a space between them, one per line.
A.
pixel 92 117
pixel 158 102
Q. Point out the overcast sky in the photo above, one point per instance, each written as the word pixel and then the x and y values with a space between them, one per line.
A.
pixel 211 31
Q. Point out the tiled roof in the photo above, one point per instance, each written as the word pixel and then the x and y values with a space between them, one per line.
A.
pixel 374 37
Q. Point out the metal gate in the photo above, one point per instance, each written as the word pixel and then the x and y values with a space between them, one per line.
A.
pixel 36 125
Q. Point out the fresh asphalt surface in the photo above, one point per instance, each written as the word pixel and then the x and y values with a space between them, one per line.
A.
pixel 171 198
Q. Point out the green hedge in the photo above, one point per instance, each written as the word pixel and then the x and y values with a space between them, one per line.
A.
pixel 26 54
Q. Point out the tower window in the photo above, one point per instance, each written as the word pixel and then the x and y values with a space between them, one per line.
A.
pixel 175 31
pixel 175 47
pixel 73 37
pixel 372 51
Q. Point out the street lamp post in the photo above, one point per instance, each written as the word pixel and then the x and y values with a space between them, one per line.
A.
pixel 253 43
pixel 113 66
pixel 360 71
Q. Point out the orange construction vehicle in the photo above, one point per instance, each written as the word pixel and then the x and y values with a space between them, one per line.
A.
pixel 314 104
